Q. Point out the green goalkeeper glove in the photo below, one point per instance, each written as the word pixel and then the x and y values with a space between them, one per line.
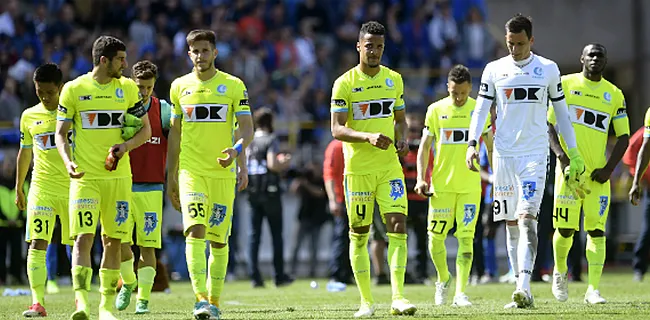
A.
pixel 578 186
pixel 574 174
pixel 132 125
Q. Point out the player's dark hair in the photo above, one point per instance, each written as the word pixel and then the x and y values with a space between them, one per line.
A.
pixel 144 70
pixel 263 118
pixel 519 23
pixel 459 74
pixel 48 73
pixel 106 46
pixel 372 27
pixel 201 35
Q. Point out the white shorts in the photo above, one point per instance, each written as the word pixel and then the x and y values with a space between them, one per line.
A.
pixel 518 185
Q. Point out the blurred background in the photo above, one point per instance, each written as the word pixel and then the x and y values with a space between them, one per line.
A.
pixel 289 52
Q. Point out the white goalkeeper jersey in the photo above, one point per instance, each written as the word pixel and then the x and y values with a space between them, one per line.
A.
pixel 522 90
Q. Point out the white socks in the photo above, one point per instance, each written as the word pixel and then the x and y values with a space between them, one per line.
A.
pixel 512 239
pixel 526 252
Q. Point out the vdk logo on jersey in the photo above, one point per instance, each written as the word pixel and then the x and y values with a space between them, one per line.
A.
pixel 523 95
pixel 589 118
pixel 46 141
pixel 150 222
pixel 218 215
pixel 108 119
pixel 470 213
pixel 205 112
pixel 528 189
pixel 396 188
pixel 603 205
pixel 454 136
pixel 373 109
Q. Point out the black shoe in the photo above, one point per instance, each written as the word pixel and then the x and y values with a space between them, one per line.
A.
pixel 284 281
pixel 381 279
pixel 258 284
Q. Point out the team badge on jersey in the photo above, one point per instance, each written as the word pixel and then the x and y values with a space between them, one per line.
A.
pixel 389 82
pixel 396 189
pixel 470 213
pixel 119 93
pixel 528 189
pixel 603 205
pixel 221 89
pixel 538 71
pixel 607 96
pixel 218 215
pixel 122 214
pixel 150 222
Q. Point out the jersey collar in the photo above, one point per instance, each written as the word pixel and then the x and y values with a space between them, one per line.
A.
pixel 524 62
pixel 357 69
pixel 589 83
pixel 216 75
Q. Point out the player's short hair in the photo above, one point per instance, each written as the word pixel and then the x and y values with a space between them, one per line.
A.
pixel 48 73
pixel 144 70
pixel 459 74
pixel 372 27
pixel 263 118
pixel 201 35
pixel 106 46
pixel 520 23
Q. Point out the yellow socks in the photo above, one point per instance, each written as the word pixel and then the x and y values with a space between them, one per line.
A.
pixel 108 279
pixel 146 277
pixel 218 264
pixel 561 248
pixel 37 274
pixel 127 273
pixel 596 258
pixel 196 265
pixel 81 278
pixel 438 252
pixel 397 256
pixel 464 263
pixel 360 261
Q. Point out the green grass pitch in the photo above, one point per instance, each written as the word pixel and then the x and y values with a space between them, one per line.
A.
pixel 626 300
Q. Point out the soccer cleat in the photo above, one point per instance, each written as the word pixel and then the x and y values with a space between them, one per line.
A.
pixel 522 298
pixel 106 315
pixel 366 310
pixel 142 307
pixel 123 298
pixel 442 288
pixel 402 307
pixel 593 297
pixel 215 313
pixel 80 313
pixel 35 311
pixel 461 300
pixel 560 287
pixel 51 287
pixel 202 310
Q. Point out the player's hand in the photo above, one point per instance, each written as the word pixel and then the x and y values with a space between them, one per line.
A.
pixel 471 158
pixel 231 155
pixel 242 179
pixel 577 186
pixel 119 150
pixel 635 194
pixel 335 209
pixel 402 148
pixel 21 203
pixel 72 170
pixel 380 141
pixel 172 191
pixel 422 189
pixel 576 164
pixel 601 175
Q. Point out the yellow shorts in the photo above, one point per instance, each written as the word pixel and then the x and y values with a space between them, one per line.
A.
pixel 566 209
pixel 361 192
pixel 42 210
pixel 449 207
pixel 207 201
pixel 100 201
pixel 146 216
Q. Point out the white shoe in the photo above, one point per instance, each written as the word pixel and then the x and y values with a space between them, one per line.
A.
pixel 402 307
pixel 511 305
pixel 560 287
pixel 461 300
pixel 442 288
pixel 366 310
pixel 509 277
pixel 593 297
pixel 522 298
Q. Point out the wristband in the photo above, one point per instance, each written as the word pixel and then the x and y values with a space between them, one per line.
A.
pixel 472 143
pixel 238 146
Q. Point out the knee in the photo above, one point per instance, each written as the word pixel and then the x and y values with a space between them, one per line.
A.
pixel 396 223
pixel 566 233
pixel 196 231
pixel 217 245
pixel 360 230
pixel 84 242
pixel 147 254
pixel 466 247
pixel 38 244
pixel 596 233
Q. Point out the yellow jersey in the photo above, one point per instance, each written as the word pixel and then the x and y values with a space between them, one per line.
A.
pixel 97 114
pixel 208 111
pixel 38 128
pixel 593 106
pixel 370 103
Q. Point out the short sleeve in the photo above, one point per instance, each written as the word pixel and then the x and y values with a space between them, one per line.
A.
pixel 555 92
pixel 174 99
pixel 619 117
pixel 431 122
pixel 240 100
pixel 26 139
pixel 486 89
pixel 646 124
pixel 399 87
pixel 340 96
pixel 165 114
pixel 133 96
pixel 67 103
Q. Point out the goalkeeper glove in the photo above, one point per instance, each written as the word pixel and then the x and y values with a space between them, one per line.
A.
pixel 576 164
pixel 132 125
pixel 578 187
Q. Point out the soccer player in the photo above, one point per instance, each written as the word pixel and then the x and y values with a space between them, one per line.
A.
pixel 368 115
pixel 148 164
pixel 47 197
pixel 97 105
pixel 202 178
pixel 455 191
pixel 521 84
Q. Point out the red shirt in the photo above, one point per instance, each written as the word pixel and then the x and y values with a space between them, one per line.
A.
pixel 333 166
pixel 632 152
pixel 148 161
